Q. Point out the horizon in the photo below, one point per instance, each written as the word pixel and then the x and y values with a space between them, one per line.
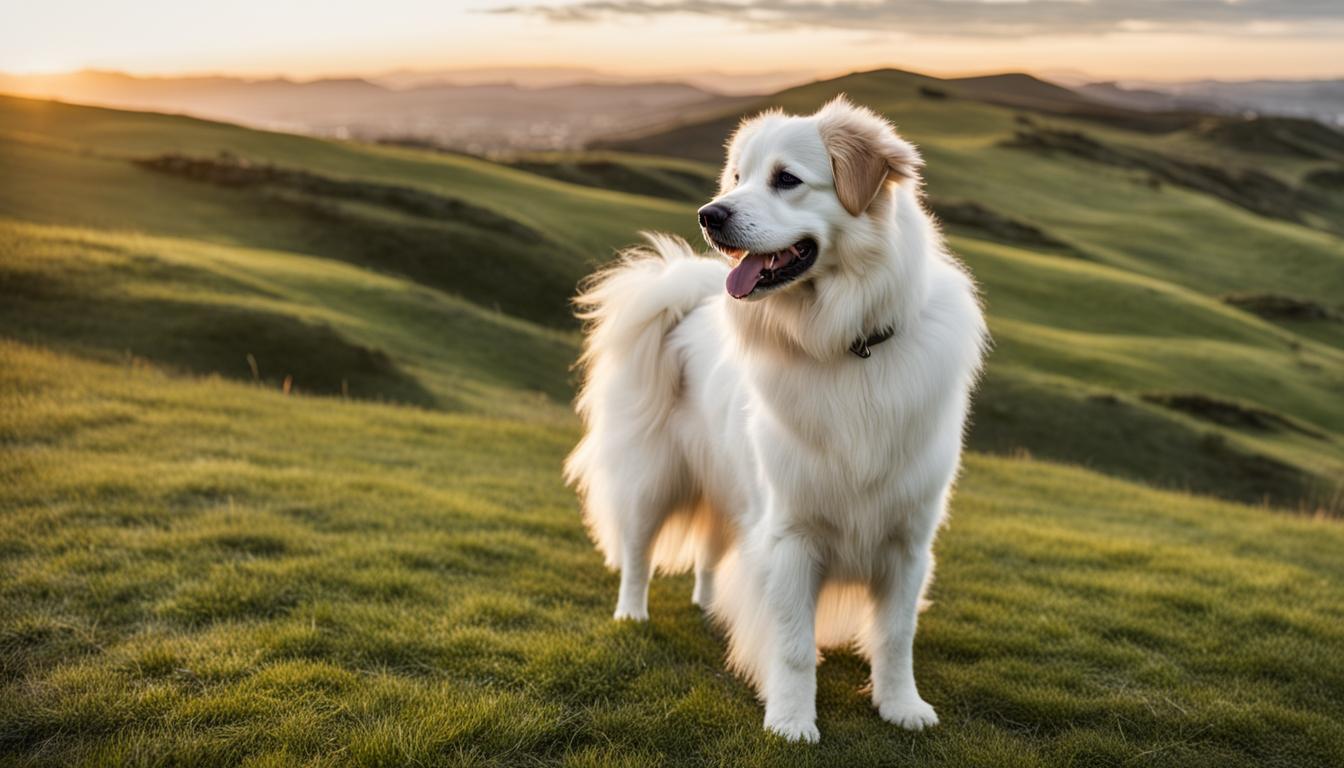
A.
pixel 1064 77
pixel 1211 40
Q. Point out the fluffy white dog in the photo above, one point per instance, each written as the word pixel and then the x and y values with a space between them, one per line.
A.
pixel 786 416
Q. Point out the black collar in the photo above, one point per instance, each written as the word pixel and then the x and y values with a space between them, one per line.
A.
pixel 862 345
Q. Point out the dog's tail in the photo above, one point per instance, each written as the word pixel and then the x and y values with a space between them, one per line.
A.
pixel 631 379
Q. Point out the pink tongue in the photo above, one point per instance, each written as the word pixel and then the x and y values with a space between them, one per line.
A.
pixel 742 280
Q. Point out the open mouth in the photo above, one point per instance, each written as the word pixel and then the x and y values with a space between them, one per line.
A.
pixel 761 272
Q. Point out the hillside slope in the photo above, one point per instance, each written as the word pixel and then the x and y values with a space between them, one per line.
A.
pixel 1112 333
pixel 1107 288
pixel 76 165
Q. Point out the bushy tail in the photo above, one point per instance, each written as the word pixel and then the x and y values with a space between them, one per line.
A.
pixel 630 376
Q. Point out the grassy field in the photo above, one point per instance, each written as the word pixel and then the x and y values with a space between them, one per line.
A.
pixel 203 572
pixel 279 465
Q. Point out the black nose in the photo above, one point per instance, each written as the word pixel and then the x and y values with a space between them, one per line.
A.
pixel 713 216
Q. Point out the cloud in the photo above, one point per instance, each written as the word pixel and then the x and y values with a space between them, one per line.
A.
pixel 996 18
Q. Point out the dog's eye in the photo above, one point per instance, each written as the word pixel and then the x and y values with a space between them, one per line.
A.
pixel 786 180
pixel 736 177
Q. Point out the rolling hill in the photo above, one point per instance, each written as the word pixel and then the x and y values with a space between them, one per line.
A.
pixel 282 421
pixel 1116 299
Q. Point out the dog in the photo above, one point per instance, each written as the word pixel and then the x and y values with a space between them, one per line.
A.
pixel 784 415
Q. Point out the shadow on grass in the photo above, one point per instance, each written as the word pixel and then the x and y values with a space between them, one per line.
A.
pixel 204 338
pixel 1113 435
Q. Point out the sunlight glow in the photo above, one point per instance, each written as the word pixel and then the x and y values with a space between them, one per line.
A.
pixel 307 38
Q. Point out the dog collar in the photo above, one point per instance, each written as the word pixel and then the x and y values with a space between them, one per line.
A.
pixel 862 345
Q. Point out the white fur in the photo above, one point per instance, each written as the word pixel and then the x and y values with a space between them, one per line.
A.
pixel 804 485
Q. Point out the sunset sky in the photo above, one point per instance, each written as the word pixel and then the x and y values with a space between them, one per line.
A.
pixel 1157 39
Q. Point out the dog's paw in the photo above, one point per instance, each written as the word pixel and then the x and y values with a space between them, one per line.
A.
pixel 794 729
pixel 629 614
pixel 912 714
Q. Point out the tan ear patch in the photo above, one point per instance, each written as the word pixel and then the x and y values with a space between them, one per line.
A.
pixel 865 152
pixel 859 169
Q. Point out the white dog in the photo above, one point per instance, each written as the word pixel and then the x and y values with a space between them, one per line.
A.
pixel 794 437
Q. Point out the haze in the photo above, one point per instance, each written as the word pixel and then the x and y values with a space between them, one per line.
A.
pixel 1137 40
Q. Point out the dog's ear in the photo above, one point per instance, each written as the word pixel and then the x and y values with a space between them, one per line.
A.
pixel 865 152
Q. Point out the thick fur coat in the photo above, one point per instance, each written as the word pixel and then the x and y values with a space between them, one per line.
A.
pixel 744 438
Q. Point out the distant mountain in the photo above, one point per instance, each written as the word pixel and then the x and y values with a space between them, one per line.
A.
pixel 526 77
pixel 272 103
pixel 547 77
pixel 1321 100
pixel 1130 98
pixel 472 117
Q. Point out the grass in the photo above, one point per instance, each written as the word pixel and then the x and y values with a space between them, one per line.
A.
pixel 198 572
pixel 665 177
pixel 382 567
pixel 203 309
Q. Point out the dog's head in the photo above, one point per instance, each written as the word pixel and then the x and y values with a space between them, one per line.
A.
pixel 794 190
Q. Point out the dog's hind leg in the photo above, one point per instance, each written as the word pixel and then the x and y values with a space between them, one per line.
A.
pixel 703 593
pixel 714 537
pixel 633 601
pixel 648 509
pixel 638 530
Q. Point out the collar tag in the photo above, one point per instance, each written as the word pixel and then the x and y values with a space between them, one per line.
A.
pixel 862 346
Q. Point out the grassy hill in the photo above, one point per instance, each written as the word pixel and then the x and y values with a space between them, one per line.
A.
pixel 1128 306
pixel 282 421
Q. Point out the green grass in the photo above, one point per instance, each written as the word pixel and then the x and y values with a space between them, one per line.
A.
pixel 199 572
pixel 584 220
pixel 666 177
pixel 382 567
pixel 202 309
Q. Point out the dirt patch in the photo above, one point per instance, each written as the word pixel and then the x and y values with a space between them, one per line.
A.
pixel 972 215
pixel 435 241
pixel 666 183
pixel 1113 433
pixel 228 170
pixel 1329 179
pixel 1274 306
pixel 1283 136
pixel 73 313
pixel 1230 413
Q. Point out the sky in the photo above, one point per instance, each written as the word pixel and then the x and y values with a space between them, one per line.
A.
pixel 1135 40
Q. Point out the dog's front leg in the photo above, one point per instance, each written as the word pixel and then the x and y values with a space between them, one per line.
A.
pixel 894 692
pixel 792 579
